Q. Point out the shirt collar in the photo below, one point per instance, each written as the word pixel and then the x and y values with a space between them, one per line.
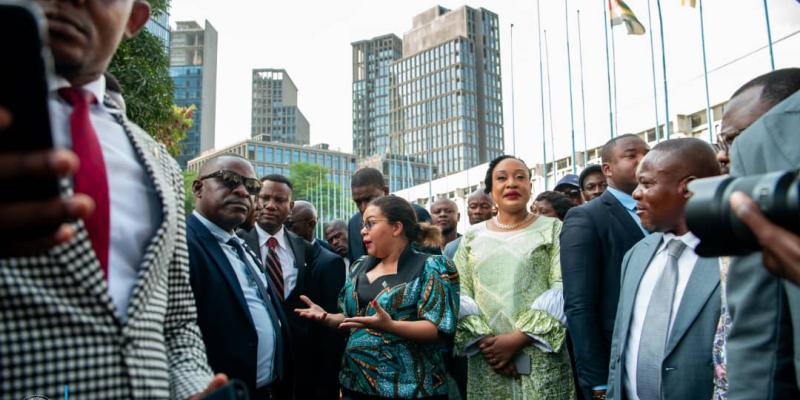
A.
pixel 689 239
pixel 220 234
pixel 96 87
pixel 627 200
pixel 263 236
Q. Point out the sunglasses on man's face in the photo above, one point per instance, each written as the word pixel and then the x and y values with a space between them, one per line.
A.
pixel 232 180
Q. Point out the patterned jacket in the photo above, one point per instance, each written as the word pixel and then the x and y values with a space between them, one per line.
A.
pixel 58 325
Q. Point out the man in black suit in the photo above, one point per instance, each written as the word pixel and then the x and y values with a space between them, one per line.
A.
pixel 287 260
pixel 327 280
pixel 238 310
pixel 368 184
pixel 594 238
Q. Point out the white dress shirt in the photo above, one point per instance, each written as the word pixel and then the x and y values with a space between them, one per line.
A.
pixel 686 262
pixel 258 311
pixel 285 256
pixel 135 208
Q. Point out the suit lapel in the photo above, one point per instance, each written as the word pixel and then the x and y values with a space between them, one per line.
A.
pixel 702 283
pixel 633 277
pixel 622 215
pixel 251 239
pixel 299 262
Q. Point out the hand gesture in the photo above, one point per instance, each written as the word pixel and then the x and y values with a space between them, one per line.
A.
pixel 380 321
pixel 500 350
pixel 313 312
pixel 780 248
pixel 218 381
pixel 34 226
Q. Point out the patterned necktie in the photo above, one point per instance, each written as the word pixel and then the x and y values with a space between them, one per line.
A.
pixel 91 178
pixel 655 329
pixel 274 266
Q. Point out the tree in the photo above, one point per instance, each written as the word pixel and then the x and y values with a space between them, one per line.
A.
pixel 311 183
pixel 172 131
pixel 188 201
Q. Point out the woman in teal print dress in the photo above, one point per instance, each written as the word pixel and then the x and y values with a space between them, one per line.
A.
pixel 400 308
pixel 511 323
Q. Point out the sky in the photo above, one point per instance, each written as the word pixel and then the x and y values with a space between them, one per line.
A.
pixel 311 40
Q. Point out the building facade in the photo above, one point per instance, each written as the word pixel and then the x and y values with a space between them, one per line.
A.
pixel 372 60
pixel 275 116
pixel 158 25
pixel 399 171
pixel 446 91
pixel 193 68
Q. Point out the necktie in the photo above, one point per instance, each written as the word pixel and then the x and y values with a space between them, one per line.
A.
pixel 91 178
pixel 655 330
pixel 263 293
pixel 274 266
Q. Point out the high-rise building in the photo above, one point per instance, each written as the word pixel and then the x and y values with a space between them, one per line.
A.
pixel 193 67
pixel 158 25
pixel 275 116
pixel 372 60
pixel 446 93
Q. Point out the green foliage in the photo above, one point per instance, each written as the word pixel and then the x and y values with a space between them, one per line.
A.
pixel 188 201
pixel 172 131
pixel 309 181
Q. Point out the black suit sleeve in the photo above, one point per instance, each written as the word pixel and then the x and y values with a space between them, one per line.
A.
pixel 581 271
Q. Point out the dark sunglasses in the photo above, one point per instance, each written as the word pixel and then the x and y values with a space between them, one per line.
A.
pixel 232 180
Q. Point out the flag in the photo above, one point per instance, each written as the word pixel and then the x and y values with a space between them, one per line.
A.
pixel 690 3
pixel 619 12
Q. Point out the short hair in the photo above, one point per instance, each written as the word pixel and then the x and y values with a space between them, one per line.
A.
pixel 590 169
pixel 368 177
pixel 214 160
pixel 560 203
pixel 608 148
pixel 696 157
pixel 278 178
pixel 777 85
pixel 487 181
pixel 336 224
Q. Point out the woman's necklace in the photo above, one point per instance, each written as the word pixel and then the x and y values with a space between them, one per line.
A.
pixel 511 227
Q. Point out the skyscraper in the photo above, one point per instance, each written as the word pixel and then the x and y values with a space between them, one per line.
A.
pixel 193 67
pixel 445 92
pixel 372 60
pixel 275 116
pixel 158 25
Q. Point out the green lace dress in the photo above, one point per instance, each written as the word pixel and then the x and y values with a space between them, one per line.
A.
pixel 512 281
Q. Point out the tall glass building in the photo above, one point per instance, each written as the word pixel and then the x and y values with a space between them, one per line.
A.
pixel 158 25
pixel 372 60
pixel 275 116
pixel 446 91
pixel 193 68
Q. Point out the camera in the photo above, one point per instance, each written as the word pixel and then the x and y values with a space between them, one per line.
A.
pixel 710 218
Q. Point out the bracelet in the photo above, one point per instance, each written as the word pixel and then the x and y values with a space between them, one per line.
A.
pixel 598 395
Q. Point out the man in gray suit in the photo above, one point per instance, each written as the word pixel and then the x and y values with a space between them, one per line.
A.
pixel 669 301
pixel 764 308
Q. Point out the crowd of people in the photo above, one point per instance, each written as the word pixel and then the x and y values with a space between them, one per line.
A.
pixel 591 291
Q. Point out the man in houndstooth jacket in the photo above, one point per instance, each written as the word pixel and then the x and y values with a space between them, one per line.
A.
pixel 118 323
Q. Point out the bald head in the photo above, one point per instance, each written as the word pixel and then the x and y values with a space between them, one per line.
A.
pixel 304 208
pixel 444 213
pixel 303 220
pixel 221 162
pixel 479 207
pixel 684 157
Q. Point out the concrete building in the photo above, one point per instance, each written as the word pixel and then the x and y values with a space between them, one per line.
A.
pixel 400 172
pixel 372 60
pixel 193 68
pixel 445 92
pixel 275 116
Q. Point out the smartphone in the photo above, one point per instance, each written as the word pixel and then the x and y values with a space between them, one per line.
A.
pixel 523 364
pixel 233 390
pixel 24 77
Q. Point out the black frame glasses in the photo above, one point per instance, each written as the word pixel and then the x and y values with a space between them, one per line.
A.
pixel 232 180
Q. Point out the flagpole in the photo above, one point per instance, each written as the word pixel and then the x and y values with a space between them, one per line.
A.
pixel 709 118
pixel 583 97
pixel 769 36
pixel 541 93
pixel 653 68
pixel 664 67
pixel 608 70
pixel 614 74
pixel 550 107
pixel 569 76
pixel 513 106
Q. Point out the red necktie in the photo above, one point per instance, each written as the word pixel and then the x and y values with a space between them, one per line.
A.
pixel 274 266
pixel 91 178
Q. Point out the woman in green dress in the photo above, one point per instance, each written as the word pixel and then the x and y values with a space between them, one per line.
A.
pixel 512 324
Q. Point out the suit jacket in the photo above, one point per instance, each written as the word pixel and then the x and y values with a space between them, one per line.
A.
pixel 688 369
pixel 764 341
pixel 58 324
pixel 327 277
pixel 356 247
pixel 594 238
pixel 301 340
pixel 223 314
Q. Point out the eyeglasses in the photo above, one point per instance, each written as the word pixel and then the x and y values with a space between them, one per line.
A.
pixel 370 223
pixel 232 180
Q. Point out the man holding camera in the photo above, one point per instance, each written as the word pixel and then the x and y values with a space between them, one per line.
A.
pixel 94 284
pixel 765 310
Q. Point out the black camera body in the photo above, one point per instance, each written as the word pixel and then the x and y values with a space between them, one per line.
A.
pixel 710 218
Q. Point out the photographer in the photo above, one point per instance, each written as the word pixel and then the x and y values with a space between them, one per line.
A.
pixel 759 347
